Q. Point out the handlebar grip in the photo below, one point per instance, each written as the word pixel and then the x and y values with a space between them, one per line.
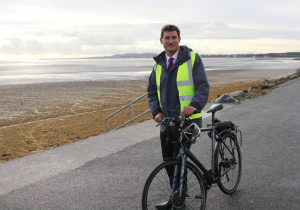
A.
pixel 197 111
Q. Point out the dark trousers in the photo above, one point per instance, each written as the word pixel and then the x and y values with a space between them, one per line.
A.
pixel 172 150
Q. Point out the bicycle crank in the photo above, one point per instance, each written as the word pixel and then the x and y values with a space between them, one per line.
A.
pixel 178 202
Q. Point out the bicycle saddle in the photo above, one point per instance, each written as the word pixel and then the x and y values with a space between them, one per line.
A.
pixel 215 107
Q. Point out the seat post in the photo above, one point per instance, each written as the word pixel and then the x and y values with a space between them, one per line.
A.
pixel 213 144
pixel 212 118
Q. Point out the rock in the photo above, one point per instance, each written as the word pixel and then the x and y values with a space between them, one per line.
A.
pixel 281 80
pixel 226 99
pixel 265 82
pixel 264 87
pixel 292 76
pixel 245 91
pixel 212 101
pixel 271 83
pixel 255 87
pixel 218 96
pixel 237 94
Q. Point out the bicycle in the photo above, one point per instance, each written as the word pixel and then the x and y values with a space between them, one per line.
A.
pixel 187 187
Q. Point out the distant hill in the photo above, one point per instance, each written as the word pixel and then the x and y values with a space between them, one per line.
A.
pixel 151 55
pixel 127 55
pixel 260 55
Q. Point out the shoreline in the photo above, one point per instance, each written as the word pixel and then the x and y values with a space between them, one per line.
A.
pixel 40 117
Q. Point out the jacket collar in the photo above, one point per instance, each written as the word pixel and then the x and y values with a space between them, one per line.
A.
pixel 183 56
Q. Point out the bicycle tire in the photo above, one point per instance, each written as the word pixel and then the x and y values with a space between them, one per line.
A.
pixel 230 180
pixel 157 187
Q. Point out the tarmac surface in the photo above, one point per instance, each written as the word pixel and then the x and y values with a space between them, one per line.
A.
pixel 109 171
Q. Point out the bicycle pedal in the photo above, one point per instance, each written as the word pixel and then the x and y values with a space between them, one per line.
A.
pixel 198 196
pixel 225 163
pixel 209 171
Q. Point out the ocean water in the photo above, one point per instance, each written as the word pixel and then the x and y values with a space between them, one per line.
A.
pixel 68 70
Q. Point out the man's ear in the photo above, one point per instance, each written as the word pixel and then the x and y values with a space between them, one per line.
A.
pixel 179 39
pixel 160 41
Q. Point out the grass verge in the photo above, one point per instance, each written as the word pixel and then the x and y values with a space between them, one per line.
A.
pixel 240 99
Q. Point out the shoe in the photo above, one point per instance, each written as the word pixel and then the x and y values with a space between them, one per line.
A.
pixel 164 205
pixel 181 208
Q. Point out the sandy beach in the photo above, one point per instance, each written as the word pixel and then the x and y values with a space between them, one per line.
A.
pixel 37 117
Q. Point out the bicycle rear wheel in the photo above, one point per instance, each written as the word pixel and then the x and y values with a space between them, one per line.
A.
pixel 157 188
pixel 230 164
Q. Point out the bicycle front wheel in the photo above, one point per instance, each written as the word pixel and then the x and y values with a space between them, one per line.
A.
pixel 230 164
pixel 157 188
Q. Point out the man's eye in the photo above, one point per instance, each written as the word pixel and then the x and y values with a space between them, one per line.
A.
pixel 167 38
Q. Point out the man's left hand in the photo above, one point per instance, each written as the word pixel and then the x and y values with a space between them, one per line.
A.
pixel 188 111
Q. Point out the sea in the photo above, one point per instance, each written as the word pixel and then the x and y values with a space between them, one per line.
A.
pixel 69 70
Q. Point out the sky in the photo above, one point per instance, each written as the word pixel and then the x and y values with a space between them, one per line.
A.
pixel 34 29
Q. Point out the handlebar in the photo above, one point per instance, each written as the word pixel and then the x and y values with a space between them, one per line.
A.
pixel 178 121
pixel 188 131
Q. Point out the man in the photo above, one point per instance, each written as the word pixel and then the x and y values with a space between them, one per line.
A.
pixel 177 85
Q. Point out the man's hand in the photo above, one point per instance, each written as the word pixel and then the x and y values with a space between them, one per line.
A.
pixel 188 111
pixel 158 117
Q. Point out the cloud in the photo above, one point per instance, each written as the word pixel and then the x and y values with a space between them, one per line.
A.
pixel 129 34
pixel 72 27
pixel 24 46
pixel 128 38
pixel 114 34
pixel 254 13
pixel 18 46
pixel 218 30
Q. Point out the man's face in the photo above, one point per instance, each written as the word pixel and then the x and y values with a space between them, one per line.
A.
pixel 170 41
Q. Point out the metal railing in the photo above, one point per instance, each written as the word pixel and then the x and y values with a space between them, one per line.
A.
pixel 133 118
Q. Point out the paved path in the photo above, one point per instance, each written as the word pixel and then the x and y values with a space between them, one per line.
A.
pixel 30 169
pixel 109 171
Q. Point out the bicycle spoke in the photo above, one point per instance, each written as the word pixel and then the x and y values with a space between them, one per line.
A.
pixel 157 190
pixel 165 195
pixel 166 176
pixel 162 191
pixel 229 152
pixel 162 183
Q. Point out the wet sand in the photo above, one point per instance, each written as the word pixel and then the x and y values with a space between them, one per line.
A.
pixel 38 117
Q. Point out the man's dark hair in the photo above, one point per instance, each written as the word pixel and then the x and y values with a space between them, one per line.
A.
pixel 169 27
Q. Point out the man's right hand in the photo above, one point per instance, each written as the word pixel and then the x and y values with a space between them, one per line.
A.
pixel 158 117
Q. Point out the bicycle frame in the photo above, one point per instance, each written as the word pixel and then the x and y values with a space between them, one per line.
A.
pixel 185 153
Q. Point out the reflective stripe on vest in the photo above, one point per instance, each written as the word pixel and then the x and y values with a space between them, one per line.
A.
pixel 185 83
pixel 157 69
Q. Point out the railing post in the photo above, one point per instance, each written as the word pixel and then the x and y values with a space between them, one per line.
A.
pixel 105 125
pixel 132 114
pixel 133 118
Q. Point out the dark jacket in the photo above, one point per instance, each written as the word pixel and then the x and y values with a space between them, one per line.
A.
pixel 169 92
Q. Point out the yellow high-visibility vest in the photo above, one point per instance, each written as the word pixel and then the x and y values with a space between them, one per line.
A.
pixel 185 83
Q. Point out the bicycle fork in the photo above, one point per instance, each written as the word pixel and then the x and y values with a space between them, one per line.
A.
pixel 182 174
